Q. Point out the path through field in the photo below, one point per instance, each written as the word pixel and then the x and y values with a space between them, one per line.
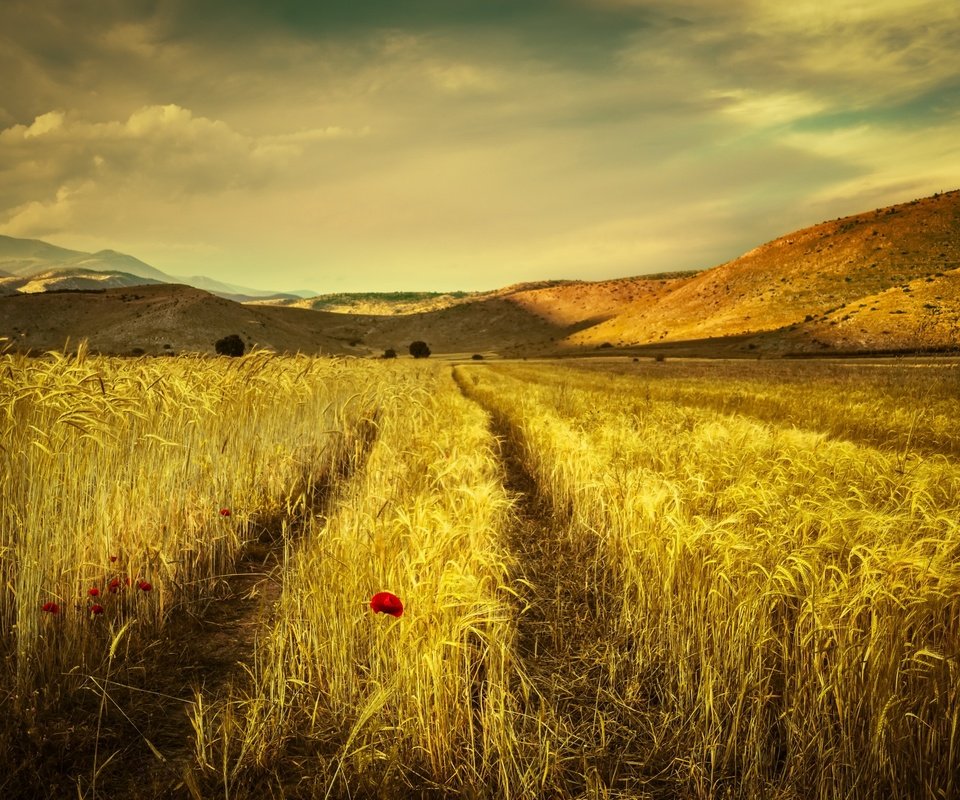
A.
pixel 203 654
pixel 565 640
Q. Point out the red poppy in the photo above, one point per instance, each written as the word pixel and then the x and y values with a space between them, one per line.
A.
pixel 51 608
pixel 225 512
pixel 386 603
pixel 93 592
pixel 114 586
pixel 144 586
pixel 112 559
pixel 96 608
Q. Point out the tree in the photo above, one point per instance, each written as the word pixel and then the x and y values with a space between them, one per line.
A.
pixel 231 345
pixel 390 353
pixel 419 349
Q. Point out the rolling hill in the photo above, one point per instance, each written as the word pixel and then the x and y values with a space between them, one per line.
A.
pixel 887 279
pixel 810 272
pixel 156 319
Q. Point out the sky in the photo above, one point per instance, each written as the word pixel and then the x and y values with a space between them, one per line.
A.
pixel 384 145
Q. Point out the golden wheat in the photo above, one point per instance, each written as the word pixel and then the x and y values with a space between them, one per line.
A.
pixel 745 577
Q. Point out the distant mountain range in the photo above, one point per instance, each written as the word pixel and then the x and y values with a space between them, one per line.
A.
pixel 30 265
pixel 886 280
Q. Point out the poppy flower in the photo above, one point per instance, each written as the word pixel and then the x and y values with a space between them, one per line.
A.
pixel 96 608
pixel 144 586
pixel 114 586
pixel 113 559
pixel 93 591
pixel 51 608
pixel 386 603
pixel 225 512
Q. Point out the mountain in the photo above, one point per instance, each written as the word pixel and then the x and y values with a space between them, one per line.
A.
pixel 887 279
pixel 240 294
pixel 30 257
pixel 69 280
pixel 27 257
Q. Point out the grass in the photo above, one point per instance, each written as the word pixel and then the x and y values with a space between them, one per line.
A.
pixel 789 601
pixel 666 580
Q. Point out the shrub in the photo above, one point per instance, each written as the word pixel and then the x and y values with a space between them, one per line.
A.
pixel 477 357
pixel 231 345
pixel 606 345
pixel 389 353
pixel 419 349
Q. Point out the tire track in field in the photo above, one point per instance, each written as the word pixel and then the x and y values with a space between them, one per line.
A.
pixel 565 641
pixel 207 652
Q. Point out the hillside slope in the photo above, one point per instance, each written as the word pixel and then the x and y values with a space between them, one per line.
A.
pixel 805 273
pixel 157 319
pixel 888 279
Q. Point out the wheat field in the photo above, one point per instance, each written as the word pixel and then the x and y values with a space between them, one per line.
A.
pixel 618 580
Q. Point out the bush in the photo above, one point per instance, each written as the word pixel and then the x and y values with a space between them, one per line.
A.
pixel 231 345
pixel 419 349
pixel 477 357
pixel 389 353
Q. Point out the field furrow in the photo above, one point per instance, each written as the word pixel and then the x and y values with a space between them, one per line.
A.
pixel 777 593
pixel 566 639
pixel 275 577
pixel 129 492
pixel 345 702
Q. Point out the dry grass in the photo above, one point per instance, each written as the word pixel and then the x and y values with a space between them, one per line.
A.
pixel 115 472
pixel 689 581
pixel 431 701
pixel 789 601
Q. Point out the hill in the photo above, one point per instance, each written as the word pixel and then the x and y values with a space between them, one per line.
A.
pixel 887 279
pixel 157 319
pixel 808 273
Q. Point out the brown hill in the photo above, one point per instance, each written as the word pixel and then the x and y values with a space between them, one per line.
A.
pixel 886 279
pixel 921 314
pixel 160 318
pixel 769 298
pixel 806 273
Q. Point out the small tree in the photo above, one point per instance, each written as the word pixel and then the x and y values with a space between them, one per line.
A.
pixel 390 353
pixel 231 345
pixel 419 349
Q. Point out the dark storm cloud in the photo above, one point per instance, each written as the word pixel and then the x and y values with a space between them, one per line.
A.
pixel 555 29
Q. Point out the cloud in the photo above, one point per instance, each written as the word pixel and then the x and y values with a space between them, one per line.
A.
pixel 43 218
pixel 165 150
pixel 932 153
pixel 45 123
pixel 466 143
